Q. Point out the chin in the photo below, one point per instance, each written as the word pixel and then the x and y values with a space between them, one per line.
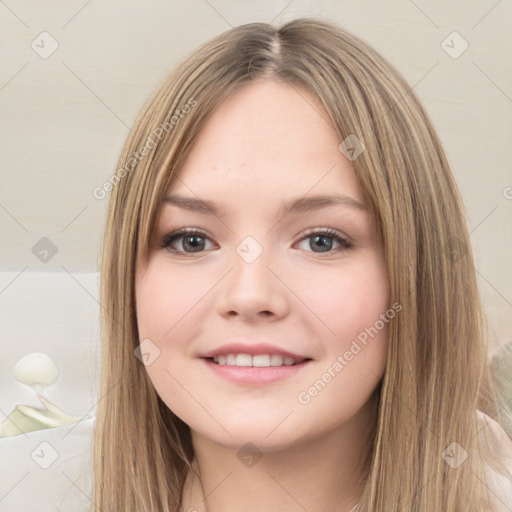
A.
pixel 271 433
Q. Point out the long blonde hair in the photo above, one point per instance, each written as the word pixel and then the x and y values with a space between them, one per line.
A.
pixel 436 374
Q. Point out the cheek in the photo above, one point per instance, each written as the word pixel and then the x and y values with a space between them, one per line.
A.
pixel 353 305
pixel 168 302
pixel 357 309
pixel 168 307
pixel 346 301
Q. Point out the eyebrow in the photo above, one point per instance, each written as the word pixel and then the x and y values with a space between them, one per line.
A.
pixel 297 205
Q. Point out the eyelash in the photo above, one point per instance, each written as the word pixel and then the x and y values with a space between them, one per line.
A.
pixel 332 233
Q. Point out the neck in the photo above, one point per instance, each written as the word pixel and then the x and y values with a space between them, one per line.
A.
pixel 324 473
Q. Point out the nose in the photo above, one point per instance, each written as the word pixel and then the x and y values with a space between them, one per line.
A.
pixel 253 291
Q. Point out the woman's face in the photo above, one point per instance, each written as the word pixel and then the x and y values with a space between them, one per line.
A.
pixel 262 286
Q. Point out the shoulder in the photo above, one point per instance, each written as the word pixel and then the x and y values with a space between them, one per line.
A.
pixel 500 483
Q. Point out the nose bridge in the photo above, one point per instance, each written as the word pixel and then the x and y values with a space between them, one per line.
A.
pixel 250 268
pixel 250 250
pixel 251 287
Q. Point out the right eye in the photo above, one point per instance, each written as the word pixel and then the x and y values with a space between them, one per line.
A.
pixel 191 241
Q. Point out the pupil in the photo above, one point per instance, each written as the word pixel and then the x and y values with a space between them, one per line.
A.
pixel 195 246
pixel 325 242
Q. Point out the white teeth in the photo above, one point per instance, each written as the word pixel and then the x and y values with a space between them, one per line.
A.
pixel 276 360
pixel 260 360
pixel 243 360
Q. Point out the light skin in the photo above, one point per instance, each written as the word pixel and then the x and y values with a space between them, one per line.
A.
pixel 266 144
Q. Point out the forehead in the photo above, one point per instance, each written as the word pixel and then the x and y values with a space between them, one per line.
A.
pixel 266 141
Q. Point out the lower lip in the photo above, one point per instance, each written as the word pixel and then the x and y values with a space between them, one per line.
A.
pixel 255 375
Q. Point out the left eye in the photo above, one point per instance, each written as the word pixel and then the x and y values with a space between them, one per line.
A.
pixel 323 240
pixel 194 241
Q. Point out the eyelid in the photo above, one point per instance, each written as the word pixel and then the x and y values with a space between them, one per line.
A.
pixel 328 231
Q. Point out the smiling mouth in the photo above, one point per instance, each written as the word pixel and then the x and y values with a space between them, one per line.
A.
pixel 256 361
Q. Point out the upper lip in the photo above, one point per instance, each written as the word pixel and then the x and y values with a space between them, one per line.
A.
pixel 252 349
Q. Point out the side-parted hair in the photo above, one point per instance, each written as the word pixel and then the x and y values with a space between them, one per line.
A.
pixel 436 375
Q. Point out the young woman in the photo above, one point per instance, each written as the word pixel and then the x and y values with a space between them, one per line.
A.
pixel 290 311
